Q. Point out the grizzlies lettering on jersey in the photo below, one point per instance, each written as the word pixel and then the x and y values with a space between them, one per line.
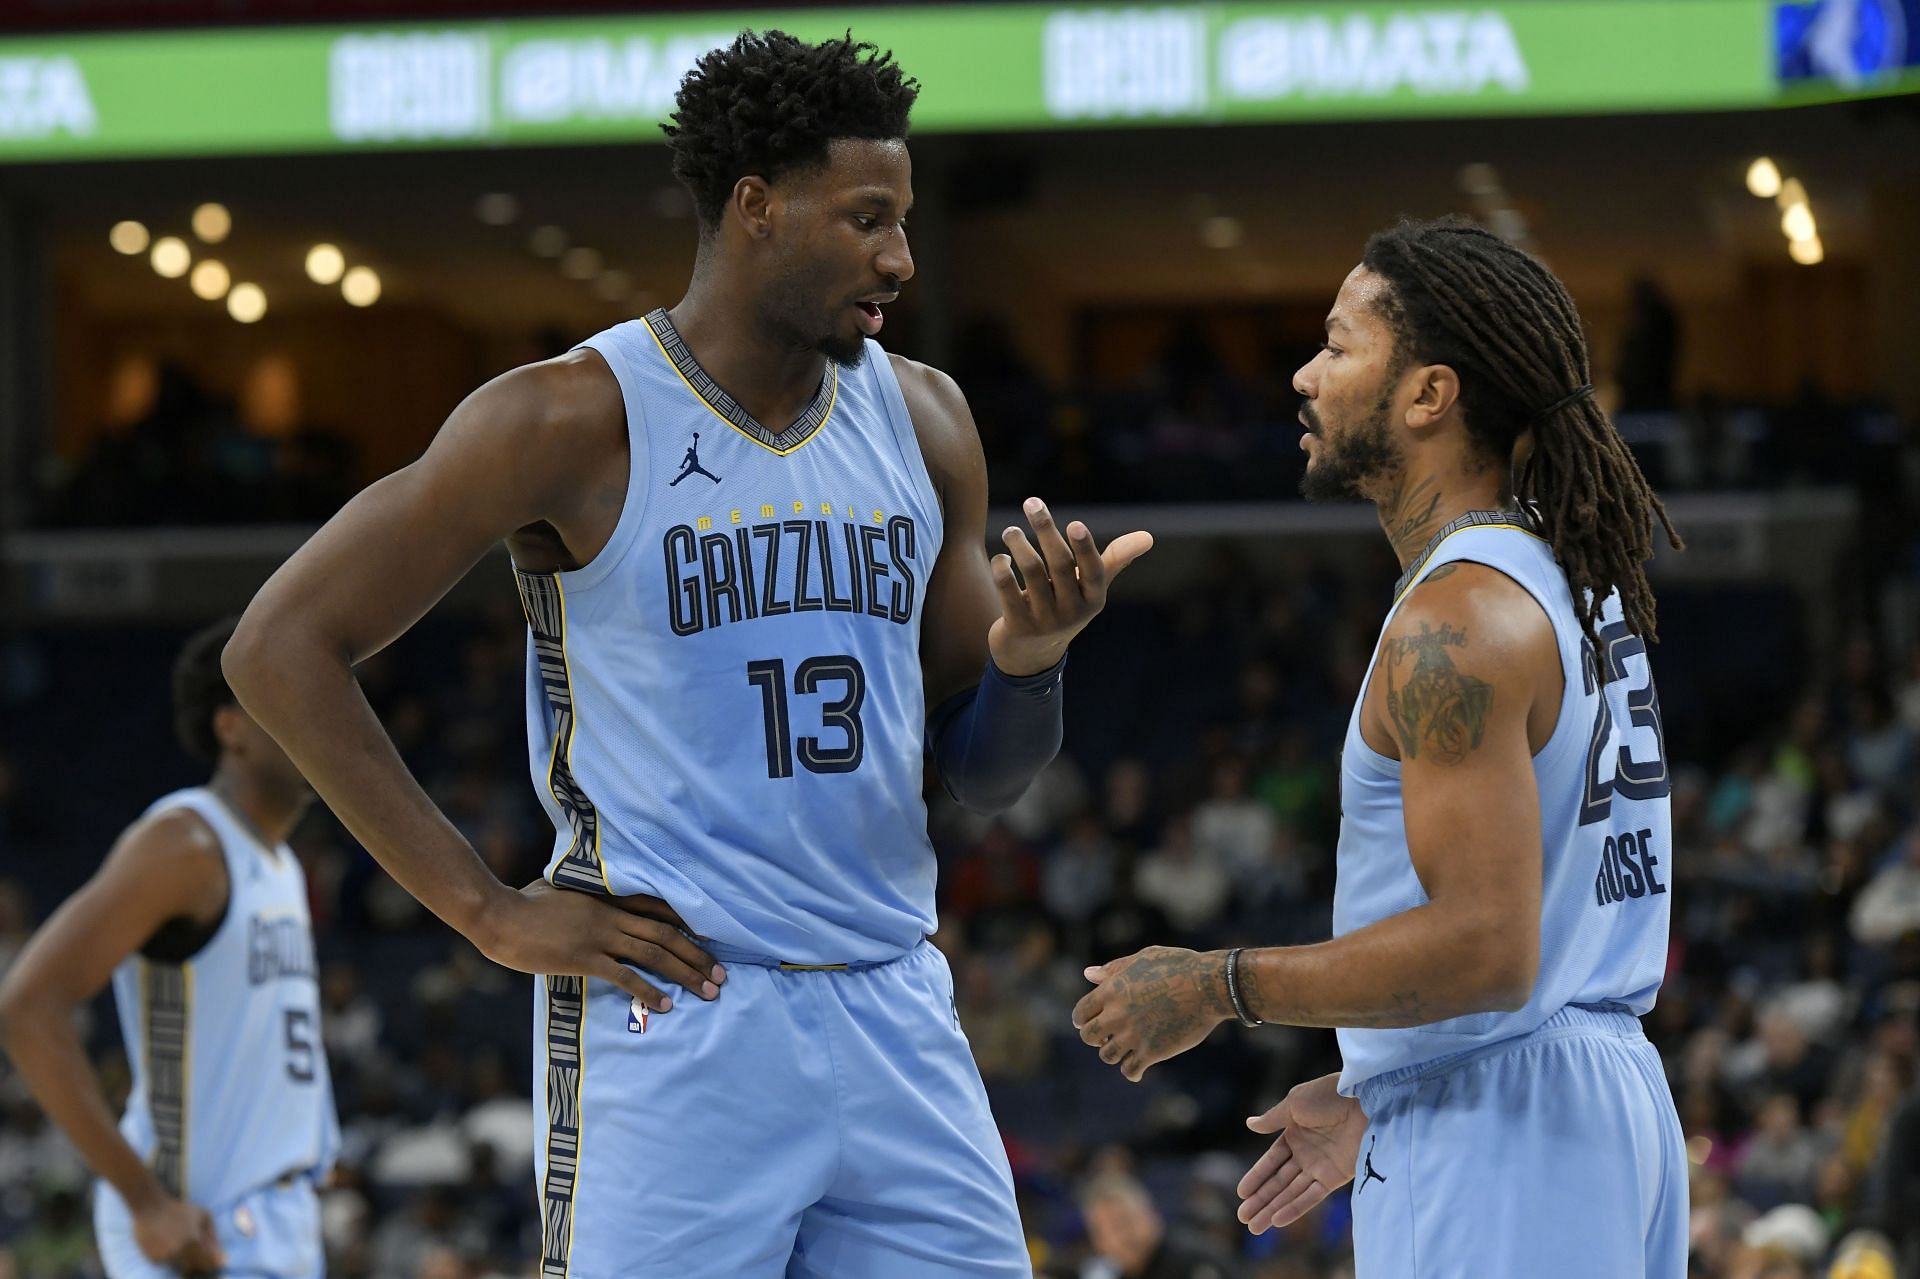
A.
pixel 1606 840
pixel 725 707
pixel 230 1084
pixel 278 949
pixel 780 566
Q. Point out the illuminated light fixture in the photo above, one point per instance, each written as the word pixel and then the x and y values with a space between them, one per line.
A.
pixel 325 262
pixel 1807 252
pixel 211 222
pixel 548 241
pixel 209 280
pixel 580 264
pixel 247 303
pixel 1480 179
pixel 1797 223
pixel 1221 232
pixel 361 287
pixel 1763 178
pixel 170 257
pixel 613 285
pixel 1792 192
pixel 128 237
pixel 497 209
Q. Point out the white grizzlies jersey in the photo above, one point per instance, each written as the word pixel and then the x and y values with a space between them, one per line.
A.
pixel 1605 836
pixel 230 1083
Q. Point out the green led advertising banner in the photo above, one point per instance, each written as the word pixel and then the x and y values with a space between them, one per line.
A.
pixel 990 67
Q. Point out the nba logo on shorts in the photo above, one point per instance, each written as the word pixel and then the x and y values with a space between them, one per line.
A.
pixel 637 1018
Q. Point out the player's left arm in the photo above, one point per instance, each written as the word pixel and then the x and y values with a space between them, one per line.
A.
pixel 1456 682
pixel 993 643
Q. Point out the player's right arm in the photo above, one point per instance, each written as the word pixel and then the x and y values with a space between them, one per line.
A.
pixel 165 867
pixel 1312 1156
pixel 534 446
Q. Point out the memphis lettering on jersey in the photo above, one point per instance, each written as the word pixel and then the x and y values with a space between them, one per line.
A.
pixel 789 560
pixel 277 948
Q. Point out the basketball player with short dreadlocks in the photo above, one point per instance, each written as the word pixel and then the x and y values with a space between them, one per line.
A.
pixel 1500 912
pixel 751 549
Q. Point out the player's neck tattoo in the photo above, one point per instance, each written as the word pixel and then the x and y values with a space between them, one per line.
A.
pixel 1410 514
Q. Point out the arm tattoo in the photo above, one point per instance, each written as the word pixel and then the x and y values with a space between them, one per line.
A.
pixel 1168 988
pixel 1403 1007
pixel 1434 707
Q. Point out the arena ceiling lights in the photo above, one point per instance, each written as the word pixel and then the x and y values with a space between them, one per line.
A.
pixel 984 67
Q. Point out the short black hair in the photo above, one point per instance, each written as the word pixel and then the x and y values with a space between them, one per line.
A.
pixel 200 689
pixel 769 104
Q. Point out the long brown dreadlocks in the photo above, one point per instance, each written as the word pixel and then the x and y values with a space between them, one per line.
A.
pixel 1463 297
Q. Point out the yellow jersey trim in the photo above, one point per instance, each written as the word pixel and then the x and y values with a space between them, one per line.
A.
pixel 833 398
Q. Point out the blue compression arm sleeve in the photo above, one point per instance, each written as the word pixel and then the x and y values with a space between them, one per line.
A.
pixel 990 742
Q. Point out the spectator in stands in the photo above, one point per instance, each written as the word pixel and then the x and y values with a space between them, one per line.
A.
pixel 1780 1163
pixel 1888 908
pixel 1187 881
pixel 1129 1236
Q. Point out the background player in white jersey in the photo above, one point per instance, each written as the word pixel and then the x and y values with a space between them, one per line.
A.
pixel 728 522
pixel 1501 904
pixel 199 915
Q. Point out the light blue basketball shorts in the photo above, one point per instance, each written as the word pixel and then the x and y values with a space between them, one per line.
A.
pixel 812 1124
pixel 1555 1154
pixel 272 1233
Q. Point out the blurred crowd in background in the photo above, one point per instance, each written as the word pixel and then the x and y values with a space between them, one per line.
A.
pixel 1198 809
pixel 1185 428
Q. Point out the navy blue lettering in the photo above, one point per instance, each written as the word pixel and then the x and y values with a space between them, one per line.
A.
pixel 803 556
pixel 278 948
pixel 716 563
pixel 1629 868
pixel 824 540
pixel 1648 860
pixel 901 543
pixel 851 535
pixel 683 584
pixel 871 536
pixel 771 605
pixel 745 539
pixel 789 566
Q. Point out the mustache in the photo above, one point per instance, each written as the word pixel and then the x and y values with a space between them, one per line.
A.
pixel 1309 417
pixel 891 283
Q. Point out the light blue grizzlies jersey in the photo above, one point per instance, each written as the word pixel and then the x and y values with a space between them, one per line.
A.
pixel 230 1084
pixel 725 706
pixel 1604 829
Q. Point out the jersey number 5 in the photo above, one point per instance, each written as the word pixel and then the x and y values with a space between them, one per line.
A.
pixel 1612 766
pixel 843 713
pixel 300 1060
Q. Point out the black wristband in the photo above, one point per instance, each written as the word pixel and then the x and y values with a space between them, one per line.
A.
pixel 1233 990
pixel 1040 682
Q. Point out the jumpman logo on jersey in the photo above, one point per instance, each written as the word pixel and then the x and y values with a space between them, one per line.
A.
pixel 690 464
pixel 1371 1175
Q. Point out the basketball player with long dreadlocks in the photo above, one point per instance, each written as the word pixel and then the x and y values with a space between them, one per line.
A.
pixel 1500 912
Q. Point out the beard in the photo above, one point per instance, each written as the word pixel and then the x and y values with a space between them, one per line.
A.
pixel 1340 472
pixel 792 309
pixel 846 352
